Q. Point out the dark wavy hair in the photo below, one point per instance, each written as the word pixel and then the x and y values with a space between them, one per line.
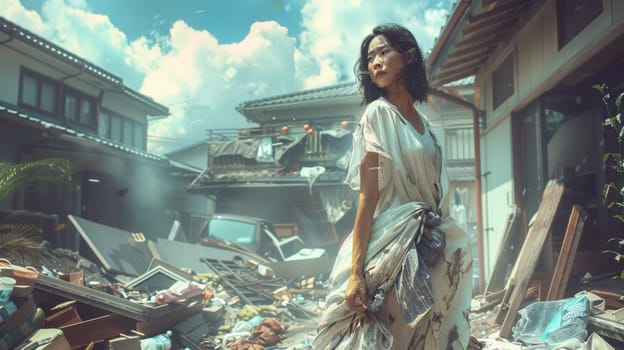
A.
pixel 414 74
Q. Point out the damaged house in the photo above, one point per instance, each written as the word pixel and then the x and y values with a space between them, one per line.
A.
pixel 290 169
pixel 537 121
pixel 534 64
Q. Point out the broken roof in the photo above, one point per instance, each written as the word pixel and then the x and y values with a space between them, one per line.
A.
pixel 261 177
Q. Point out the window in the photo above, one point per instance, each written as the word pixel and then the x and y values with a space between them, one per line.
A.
pixel 121 129
pixel 48 97
pixel 70 107
pixel 79 108
pixel 573 16
pixel 459 144
pixel 503 82
pixel 38 92
pixel 45 95
pixel 116 128
pixel 139 136
pixel 104 120
pixel 30 90
pixel 128 133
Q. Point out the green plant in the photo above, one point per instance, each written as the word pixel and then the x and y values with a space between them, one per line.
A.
pixel 21 238
pixel 50 170
pixel 614 191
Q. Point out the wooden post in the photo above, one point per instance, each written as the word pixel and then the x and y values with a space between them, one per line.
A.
pixel 565 260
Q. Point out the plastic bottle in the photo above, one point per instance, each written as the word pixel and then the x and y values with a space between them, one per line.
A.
pixel 157 342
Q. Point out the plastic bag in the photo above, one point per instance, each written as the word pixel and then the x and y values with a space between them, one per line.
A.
pixel 552 322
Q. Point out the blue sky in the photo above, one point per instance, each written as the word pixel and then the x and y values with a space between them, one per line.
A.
pixel 201 58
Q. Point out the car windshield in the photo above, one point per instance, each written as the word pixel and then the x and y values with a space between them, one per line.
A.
pixel 291 248
pixel 231 230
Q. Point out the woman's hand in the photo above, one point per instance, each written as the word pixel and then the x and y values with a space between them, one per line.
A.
pixel 355 295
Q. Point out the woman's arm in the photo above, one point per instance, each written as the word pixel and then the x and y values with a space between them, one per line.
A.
pixel 356 294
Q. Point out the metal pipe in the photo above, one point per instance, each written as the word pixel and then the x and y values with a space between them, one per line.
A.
pixel 477 146
pixel 69 76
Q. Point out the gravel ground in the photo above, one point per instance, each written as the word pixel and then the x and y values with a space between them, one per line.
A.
pixel 58 261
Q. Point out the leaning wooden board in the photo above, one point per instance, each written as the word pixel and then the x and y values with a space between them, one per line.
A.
pixel 567 253
pixel 528 257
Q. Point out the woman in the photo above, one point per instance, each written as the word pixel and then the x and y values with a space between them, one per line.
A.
pixel 392 286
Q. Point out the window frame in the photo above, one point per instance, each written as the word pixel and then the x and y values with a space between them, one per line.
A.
pixel 569 27
pixel 503 74
pixel 124 123
pixel 40 79
pixel 459 144
pixel 81 98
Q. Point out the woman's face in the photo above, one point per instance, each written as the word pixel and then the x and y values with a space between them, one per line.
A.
pixel 385 64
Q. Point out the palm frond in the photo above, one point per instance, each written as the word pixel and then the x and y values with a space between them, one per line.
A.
pixel 49 170
pixel 20 240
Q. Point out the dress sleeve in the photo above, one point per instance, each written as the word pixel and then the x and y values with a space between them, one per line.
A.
pixel 369 137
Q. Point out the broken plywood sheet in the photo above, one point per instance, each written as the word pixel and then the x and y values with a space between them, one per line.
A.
pixel 117 250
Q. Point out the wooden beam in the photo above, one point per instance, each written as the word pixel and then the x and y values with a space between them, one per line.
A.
pixel 528 257
pixel 503 258
pixel 561 275
pixel 467 56
pixel 451 78
pixel 458 12
pixel 499 27
pixel 466 66
pixel 495 14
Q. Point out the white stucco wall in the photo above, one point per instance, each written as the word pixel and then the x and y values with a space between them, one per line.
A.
pixel 497 188
pixel 9 73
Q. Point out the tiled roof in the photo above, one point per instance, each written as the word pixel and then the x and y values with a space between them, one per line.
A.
pixel 186 147
pixel 12 111
pixel 19 33
pixel 332 91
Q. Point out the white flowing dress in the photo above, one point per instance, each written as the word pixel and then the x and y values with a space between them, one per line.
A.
pixel 411 180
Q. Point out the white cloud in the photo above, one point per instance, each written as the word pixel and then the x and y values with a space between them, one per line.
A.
pixel 335 29
pixel 202 80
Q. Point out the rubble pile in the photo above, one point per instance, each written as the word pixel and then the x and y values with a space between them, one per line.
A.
pixel 71 301
pixel 139 294
pixel 60 294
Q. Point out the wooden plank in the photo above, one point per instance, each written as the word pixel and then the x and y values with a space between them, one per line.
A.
pixel 504 256
pixel 528 257
pixel 573 233
pixel 98 329
pixel 606 328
